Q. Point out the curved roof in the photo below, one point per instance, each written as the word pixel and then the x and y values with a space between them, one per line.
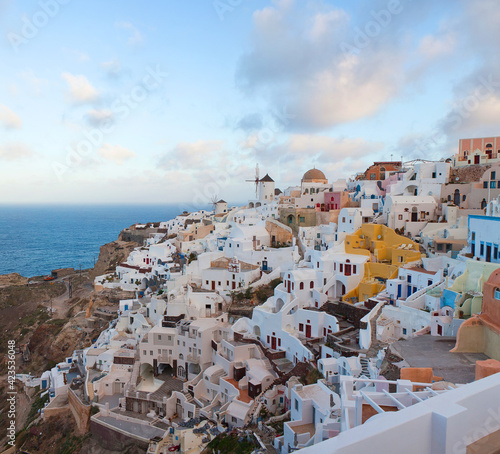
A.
pixel 313 174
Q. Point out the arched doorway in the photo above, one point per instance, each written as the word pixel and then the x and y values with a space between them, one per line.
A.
pixel 339 289
pixel 456 197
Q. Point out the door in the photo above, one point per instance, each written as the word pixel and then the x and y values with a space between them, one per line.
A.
pixel 488 252
pixel 477 159
pixel 264 265
pixel 273 343
pixel 213 285
pixel 414 216
pixel 308 330
pixel 234 285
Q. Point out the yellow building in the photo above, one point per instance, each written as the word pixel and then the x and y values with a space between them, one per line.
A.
pixel 387 252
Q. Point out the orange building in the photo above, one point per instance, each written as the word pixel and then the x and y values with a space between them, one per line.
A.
pixel 380 170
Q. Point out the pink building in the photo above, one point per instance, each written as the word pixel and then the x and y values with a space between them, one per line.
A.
pixel 484 150
pixel 336 200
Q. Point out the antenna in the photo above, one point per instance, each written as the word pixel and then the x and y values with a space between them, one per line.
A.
pixel 255 180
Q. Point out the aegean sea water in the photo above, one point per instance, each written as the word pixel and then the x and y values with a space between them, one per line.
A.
pixel 37 239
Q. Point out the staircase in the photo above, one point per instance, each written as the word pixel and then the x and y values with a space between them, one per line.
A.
pixel 364 366
pixel 135 374
pixel 189 397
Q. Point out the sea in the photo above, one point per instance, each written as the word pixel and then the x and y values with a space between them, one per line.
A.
pixel 36 239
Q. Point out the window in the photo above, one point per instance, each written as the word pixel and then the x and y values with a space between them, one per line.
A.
pixel 302 219
pixel 341 268
pixel 296 404
pixel 429 282
pixel 481 249
pixel 493 175
pixel 301 327
pixel 493 184
pixel 400 217
pixel 408 278
pixel 311 285
pixel 473 236
pixel 485 184
pixel 497 293
pixel 301 286
pixel 404 331
pixel 372 176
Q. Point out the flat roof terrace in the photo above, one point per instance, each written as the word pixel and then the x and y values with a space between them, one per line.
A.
pixel 434 351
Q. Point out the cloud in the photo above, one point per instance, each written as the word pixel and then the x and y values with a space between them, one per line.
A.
pixel 135 36
pixel 301 58
pixel 80 90
pixel 433 46
pixel 250 122
pixel 9 119
pixel 35 83
pixel 321 148
pixel 113 67
pixel 100 117
pixel 77 55
pixel 191 155
pixel 116 153
pixel 15 151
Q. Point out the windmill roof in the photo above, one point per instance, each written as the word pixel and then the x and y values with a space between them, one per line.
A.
pixel 221 201
pixel 267 178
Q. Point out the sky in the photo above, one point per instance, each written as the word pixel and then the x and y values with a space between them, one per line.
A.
pixel 120 101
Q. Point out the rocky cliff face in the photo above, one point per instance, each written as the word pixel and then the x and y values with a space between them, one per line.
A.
pixel 112 254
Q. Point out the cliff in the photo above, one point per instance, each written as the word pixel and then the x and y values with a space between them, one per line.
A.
pixel 111 254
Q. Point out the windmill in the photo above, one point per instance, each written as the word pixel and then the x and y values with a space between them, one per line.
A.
pixel 214 201
pixel 255 180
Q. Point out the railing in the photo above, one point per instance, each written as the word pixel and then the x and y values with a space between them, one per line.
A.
pixel 193 359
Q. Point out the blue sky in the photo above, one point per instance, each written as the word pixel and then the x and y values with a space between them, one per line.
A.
pixel 182 99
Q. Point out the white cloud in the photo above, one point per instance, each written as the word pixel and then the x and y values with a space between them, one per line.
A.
pixel 191 155
pixel 300 59
pixel 35 83
pixel 113 67
pixel 135 36
pixel 100 117
pixel 309 147
pixel 116 153
pixel 80 56
pixel 432 46
pixel 9 119
pixel 14 151
pixel 80 89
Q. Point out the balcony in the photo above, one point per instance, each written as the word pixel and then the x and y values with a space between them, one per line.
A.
pixel 165 359
pixel 193 359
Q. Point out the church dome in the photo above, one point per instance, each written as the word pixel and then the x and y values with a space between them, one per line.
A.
pixel 313 174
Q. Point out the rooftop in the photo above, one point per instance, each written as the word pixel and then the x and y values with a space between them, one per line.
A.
pixel 434 351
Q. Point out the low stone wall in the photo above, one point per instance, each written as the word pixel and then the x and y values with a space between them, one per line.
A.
pixel 80 412
pixel 114 440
